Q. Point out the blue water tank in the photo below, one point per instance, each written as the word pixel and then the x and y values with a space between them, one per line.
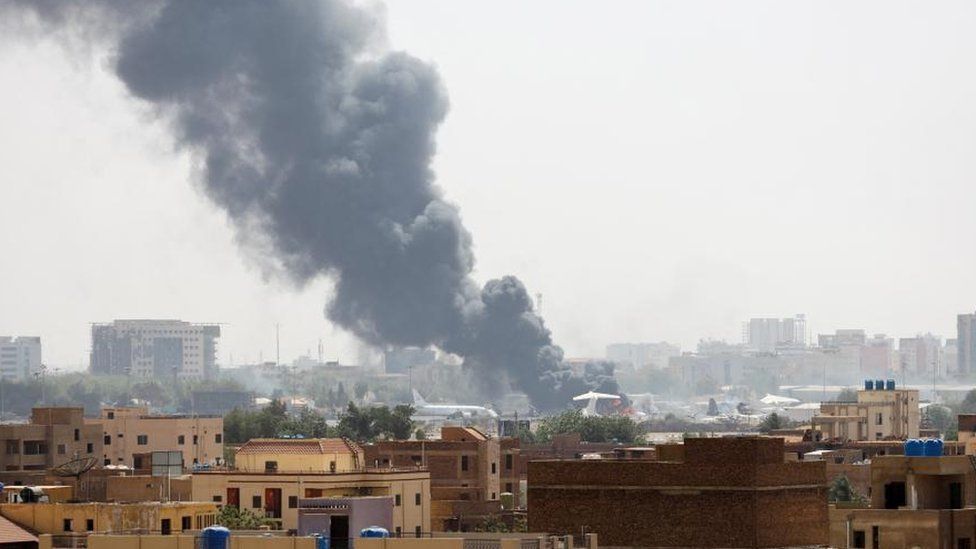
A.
pixel 321 542
pixel 879 385
pixel 932 447
pixel 868 385
pixel 913 447
pixel 374 532
pixel 215 537
pixel 890 385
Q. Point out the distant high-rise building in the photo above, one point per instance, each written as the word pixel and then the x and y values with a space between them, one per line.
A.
pixel 966 343
pixel 20 357
pixel 161 349
pixel 950 353
pixel 643 355
pixel 921 355
pixel 842 338
pixel 765 335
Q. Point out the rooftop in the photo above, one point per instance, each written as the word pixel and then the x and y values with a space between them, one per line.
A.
pixel 300 446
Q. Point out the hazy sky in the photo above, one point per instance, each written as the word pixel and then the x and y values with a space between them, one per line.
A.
pixel 657 170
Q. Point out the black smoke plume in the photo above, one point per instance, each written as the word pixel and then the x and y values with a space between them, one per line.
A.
pixel 318 144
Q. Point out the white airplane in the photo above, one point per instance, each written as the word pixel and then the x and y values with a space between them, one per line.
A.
pixel 591 399
pixel 425 408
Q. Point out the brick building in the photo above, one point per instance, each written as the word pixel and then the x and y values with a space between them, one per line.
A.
pixel 878 414
pixel 54 436
pixel 465 472
pixel 713 492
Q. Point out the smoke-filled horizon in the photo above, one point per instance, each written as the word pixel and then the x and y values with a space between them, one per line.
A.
pixel 318 145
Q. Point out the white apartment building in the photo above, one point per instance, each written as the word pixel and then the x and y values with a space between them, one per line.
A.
pixel 765 335
pixel 20 357
pixel 161 349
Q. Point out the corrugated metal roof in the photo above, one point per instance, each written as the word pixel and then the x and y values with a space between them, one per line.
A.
pixel 11 533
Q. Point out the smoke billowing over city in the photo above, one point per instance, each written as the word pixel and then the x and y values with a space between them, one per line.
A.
pixel 318 144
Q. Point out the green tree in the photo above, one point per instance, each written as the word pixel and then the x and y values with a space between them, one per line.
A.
pixel 230 516
pixel 772 422
pixel 940 417
pixel 712 407
pixel 841 489
pixel 420 434
pixel 590 429
pixel 968 404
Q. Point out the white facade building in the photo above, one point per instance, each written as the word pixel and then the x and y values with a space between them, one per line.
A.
pixel 161 349
pixel 20 357
pixel 765 335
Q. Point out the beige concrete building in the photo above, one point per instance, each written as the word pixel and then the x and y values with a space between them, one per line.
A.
pixel 82 518
pixel 53 437
pixel 273 474
pixel 130 434
pixel 876 415
pixel 924 502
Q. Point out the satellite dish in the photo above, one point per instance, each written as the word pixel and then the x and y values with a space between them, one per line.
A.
pixel 75 468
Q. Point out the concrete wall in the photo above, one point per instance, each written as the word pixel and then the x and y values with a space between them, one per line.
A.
pixel 413 543
pixel 49 518
pixel 187 542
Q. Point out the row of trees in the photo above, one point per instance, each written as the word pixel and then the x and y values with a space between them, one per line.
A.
pixel 590 429
pixel 362 424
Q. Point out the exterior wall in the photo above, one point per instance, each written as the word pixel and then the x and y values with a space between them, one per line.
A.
pixel 54 436
pixel 510 469
pixel 147 488
pixel 202 440
pixel 407 543
pixel 49 518
pixel 213 486
pixel 750 496
pixel 319 463
pixel 314 515
pixel 926 480
pixel 896 529
pixel 189 542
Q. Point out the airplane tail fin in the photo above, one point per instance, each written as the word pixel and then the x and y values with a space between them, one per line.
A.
pixel 417 399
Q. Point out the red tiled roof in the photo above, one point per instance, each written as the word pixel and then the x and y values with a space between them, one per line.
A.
pixel 11 533
pixel 307 446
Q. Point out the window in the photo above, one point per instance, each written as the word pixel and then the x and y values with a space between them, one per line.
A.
pixel 111 415
pixel 218 499
pixel 464 463
pixel 879 418
pixel 270 466
pixel 875 537
pixel 292 502
pixel 332 466
pixel 120 435
pixel 256 502
pixel 35 448
pixel 397 502
pixel 399 532
pixel 234 497
pixel 66 525
pixel 107 441
pixel 416 498
pixel 195 440
pixel 13 447
pixel 417 460
pixel 493 496
pixel 61 449
pixel 185 523
pixel 417 531
pixel 107 462
pixel 219 438
pixel 166 527
pixel 494 469
pixel 508 461
pixel 858 541
pixel 90 447
pixel 77 435
pixel 181 440
pixel 142 440
pixel 89 525
pixel 508 487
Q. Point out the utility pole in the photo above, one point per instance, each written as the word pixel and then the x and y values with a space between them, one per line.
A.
pixel 277 345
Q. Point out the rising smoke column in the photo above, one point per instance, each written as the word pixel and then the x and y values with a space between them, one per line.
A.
pixel 318 146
